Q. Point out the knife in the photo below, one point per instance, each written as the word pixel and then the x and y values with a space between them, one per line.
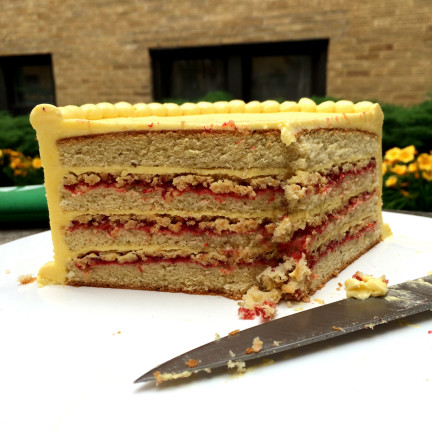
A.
pixel 303 328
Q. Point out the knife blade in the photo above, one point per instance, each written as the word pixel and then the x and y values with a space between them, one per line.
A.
pixel 303 328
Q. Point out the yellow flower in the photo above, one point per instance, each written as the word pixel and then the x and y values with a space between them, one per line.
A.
pixel 12 153
pixel 14 163
pixel 424 161
pixel 392 154
pixel 384 168
pixel 399 169
pixel 427 175
pixel 36 163
pixel 412 167
pixel 407 154
pixel 391 181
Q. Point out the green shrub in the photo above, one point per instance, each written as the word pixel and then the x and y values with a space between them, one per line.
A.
pixel 404 126
pixel 215 96
pixel 16 133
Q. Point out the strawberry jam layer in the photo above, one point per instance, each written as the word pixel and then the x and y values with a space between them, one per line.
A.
pixel 302 238
pixel 312 259
pixel 337 177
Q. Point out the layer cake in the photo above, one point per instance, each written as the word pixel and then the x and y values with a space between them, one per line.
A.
pixel 210 198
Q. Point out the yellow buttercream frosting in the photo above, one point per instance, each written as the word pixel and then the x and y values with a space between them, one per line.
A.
pixel 289 117
pixel 124 109
pixel 363 286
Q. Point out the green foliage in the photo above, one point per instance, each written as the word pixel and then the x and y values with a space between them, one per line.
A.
pixel 31 177
pixel 16 133
pixel 215 96
pixel 404 126
pixel 321 99
pixel 410 193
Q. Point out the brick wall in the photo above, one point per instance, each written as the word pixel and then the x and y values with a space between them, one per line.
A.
pixel 377 49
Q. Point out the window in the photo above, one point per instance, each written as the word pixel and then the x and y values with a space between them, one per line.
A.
pixel 280 70
pixel 25 81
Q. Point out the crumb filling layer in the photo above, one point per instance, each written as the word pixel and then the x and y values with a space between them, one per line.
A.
pixel 173 225
pixel 173 186
pixel 229 260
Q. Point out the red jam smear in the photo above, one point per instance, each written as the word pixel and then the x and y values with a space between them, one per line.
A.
pixel 257 311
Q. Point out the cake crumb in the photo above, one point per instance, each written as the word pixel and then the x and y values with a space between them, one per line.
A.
pixel 369 326
pixel 240 365
pixel 276 343
pixel 192 363
pixel 259 303
pixel 257 345
pixel 163 377
pixel 338 328
pixel 217 336
pixel 26 279
pixel 234 332
pixel 231 353
pixel 320 301
pixel 7 271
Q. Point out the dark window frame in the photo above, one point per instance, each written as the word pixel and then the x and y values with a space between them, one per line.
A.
pixel 238 59
pixel 9 66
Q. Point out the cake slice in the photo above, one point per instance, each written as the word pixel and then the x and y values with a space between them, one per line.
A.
pixel 210 198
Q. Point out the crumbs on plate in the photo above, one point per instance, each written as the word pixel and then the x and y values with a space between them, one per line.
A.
pixel 26 279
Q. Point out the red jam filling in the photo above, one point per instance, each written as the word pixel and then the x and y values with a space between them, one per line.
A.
pixel 302 238
pixel 334 180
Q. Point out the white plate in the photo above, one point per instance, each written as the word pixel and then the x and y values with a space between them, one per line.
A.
pixel 69 356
